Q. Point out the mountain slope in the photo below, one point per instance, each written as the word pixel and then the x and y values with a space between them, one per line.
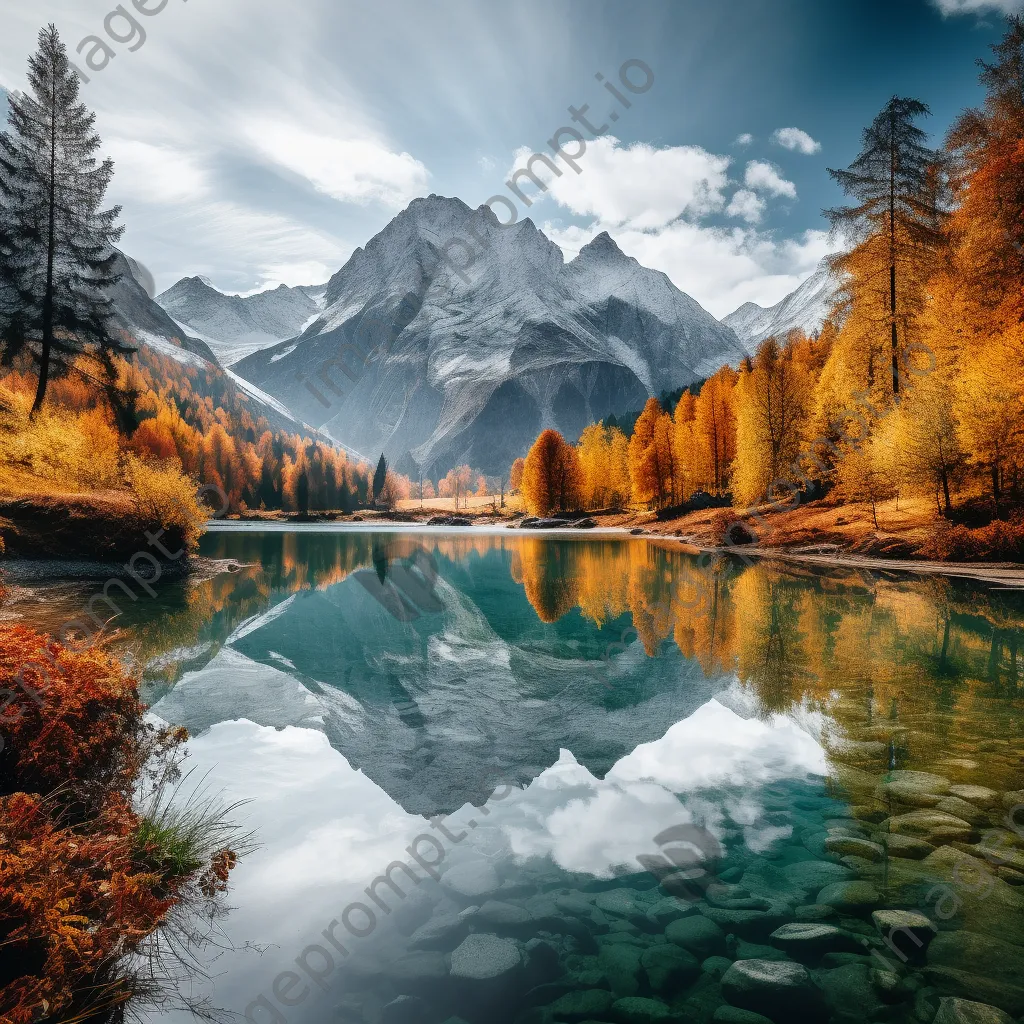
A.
pixel 436 363
pixel 236 326
pixel 805 309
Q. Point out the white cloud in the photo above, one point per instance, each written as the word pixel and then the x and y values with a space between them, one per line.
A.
pixel 748 205
pixel 356 170
pixel 765 177
pixel 794 138
pixel 744 140
pixel 154 173
pixel 950 8
pixel 637 185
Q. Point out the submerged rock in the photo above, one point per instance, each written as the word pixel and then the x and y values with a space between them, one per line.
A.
pixel 585 1004
pixel 850 896
pixel 470 881
pixel 933 825
pixel 755 925
pixel 621 965
pixel 669 967
pixel 905 846
pixel 905 932
pixel 811 941
pixel 854 847
pixel 734 1015
pixel 777 989
pixel 699 935
pixel 638 1010
pixel 850 994
pixel 485 958
pixel 963 1011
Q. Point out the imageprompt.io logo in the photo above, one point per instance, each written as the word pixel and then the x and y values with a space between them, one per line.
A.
pixel 688 862
pixel 404 588
pixel 143 276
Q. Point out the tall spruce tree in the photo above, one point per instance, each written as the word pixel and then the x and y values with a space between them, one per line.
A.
pixel 56 256
pixel 898 186
pixel 380 478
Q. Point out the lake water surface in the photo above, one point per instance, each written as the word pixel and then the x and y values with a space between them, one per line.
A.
pixel 499 777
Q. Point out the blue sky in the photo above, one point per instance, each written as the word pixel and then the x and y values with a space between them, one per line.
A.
pixel 258 142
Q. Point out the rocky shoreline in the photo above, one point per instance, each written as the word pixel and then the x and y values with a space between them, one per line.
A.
pixel 845 921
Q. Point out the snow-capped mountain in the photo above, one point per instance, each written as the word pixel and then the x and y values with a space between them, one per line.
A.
pixel 235 326
pixel 438 361
pixel 805 309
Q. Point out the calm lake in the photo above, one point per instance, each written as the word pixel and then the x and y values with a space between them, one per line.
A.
pixel 500 777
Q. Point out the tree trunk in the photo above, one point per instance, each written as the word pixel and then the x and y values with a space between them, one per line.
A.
pixel 51 246
pixel 892 257
pixel 945 490
pixel 995 484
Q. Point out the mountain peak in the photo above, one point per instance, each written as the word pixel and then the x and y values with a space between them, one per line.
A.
pixel 603 245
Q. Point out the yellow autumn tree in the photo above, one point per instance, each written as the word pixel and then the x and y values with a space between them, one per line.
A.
pixel 552 476
pixel 714 430
pixel 604 458
pixel 773 393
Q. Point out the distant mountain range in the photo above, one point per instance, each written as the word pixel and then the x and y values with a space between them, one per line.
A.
pixel 805 309
pixel 436 363
pixel 235 326
pixel 471 366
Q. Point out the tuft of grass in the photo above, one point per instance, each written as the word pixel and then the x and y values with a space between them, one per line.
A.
pixel 179 833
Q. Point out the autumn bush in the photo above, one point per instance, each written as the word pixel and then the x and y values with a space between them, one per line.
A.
pixel 729 530
pixel 87 877
pixel 1001 540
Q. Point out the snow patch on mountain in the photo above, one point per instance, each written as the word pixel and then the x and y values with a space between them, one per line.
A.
pixel 236 326
pixel 805 309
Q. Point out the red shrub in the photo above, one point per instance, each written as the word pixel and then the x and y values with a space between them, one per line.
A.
pixel 999 541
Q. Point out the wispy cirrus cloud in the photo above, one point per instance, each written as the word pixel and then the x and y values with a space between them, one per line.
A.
pixel 350 169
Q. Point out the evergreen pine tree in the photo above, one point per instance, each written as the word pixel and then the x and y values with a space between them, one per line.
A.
pixel 56 259
pixel 894 178
pixel 380 478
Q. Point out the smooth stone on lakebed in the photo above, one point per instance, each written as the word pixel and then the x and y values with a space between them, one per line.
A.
pixel 749 924
pixel 981 796
pixel 931 825
pixel 699 935
pixel 585 1004
pixel 639 1010
pixel 917 929
pixel 665 911
pixel 775 988
pixel 850 994
pixel 716 966
pixel 905 846
pixel 501 915
pixel 621 965
pixel 962 809
pixel 483 957
pixel 853 846
pixel 734 1015
pixel 964 1011
pixel 810 940
pixel 470 881
pixel 851 896
pixel 668 966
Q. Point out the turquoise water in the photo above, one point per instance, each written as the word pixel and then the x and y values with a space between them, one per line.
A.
pixel 498 777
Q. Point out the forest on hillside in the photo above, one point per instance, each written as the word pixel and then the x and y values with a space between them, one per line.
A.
pixel 915 385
